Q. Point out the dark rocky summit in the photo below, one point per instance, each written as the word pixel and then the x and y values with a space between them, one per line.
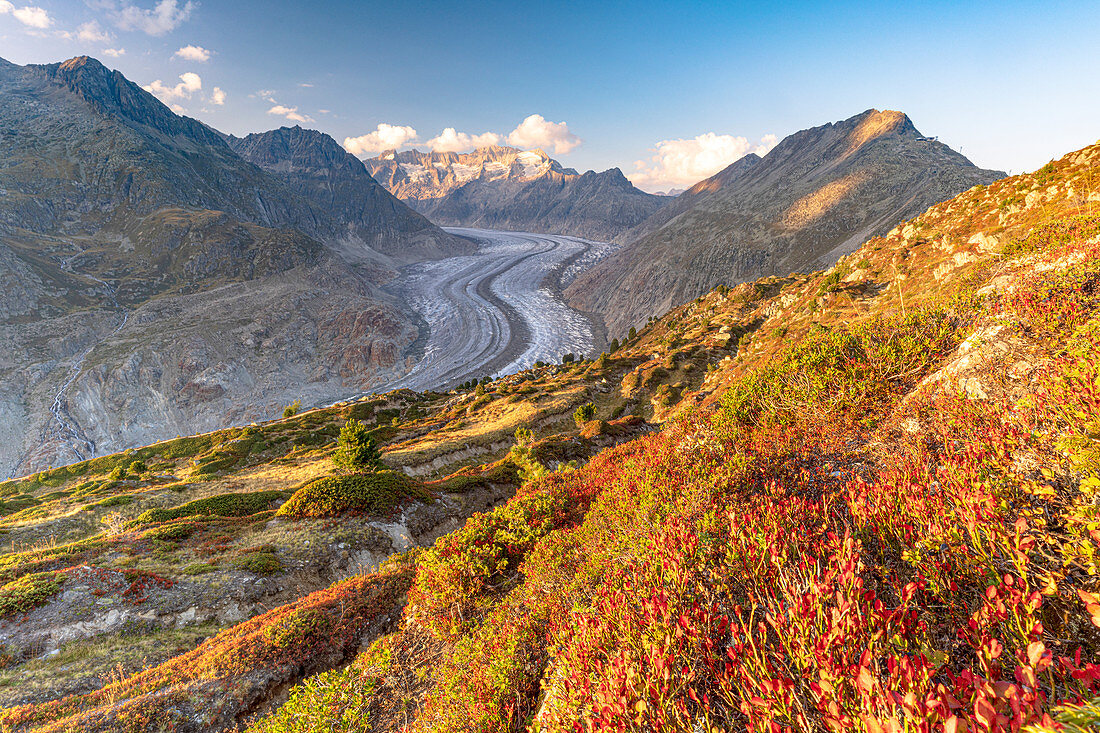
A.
pixel 314 166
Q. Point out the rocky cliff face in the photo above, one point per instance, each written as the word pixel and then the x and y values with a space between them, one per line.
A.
pixel 505 188
pixel 314 166
pixel 156 283
pixel 812 199
pixel 415 176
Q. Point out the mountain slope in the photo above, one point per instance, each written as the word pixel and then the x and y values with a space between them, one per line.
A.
pixel 594 205
pixel 314 166
pixel 505 188
pixel 166 285
pixel 689 198
pixel 814 197
pixel 872 505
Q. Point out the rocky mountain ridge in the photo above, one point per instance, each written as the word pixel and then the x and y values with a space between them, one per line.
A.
pixel 314 166
pixel 412 175
pixel 811 199
pixel 162 284
pixel 506 188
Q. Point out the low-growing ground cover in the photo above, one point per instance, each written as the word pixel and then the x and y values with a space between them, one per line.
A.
pixel 889 522
pixel 874 505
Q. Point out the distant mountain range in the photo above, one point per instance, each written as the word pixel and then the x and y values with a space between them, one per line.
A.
pixel 813 198
pixel 506 188
pixel 156 282
pixel 163 278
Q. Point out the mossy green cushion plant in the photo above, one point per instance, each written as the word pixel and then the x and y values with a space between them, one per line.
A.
pixel 260 563
pixel 222 505
pixel 28 592
pixel 370 493
pixel 171 532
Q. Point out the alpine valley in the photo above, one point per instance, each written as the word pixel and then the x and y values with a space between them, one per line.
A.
pixel 812 445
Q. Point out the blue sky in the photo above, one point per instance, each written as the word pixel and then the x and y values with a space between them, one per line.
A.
pixel 664 91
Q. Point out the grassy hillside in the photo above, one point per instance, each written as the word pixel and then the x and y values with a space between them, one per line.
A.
pixel 873 503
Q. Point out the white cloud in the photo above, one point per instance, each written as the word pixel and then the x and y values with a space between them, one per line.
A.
pixel 686 162
pixel 92 33
pixel 190 82
pixel 218 96
pixel 537 132
pixel 28 15
pixel 114 52
pixel 384 137
pixel 291 113
pixel 193 53
pixel 533 132
pixel 451 141
pixel 163 17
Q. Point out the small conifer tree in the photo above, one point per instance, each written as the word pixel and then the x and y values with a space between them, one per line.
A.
pixel 355 449
pixel 584 413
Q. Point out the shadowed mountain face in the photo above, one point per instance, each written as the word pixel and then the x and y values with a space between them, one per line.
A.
pixel 156 283
pixel 812 199
pixel 505 188
pixel 314 166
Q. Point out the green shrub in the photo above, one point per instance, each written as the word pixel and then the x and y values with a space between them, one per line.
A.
pixel 1074 718
pixel 838 370
pixel 362 492
pixel 355 448
pixel 298 627
pixel 28 592
pixel 137 468
pixel 478 403
pixel 117 473
pixel 336 701
pixel 1044 174
pixel 260 563
pixel 222 505
pixel 524 436
pixel 171 532
pixel 503 472
pixel 292 409
pixel 199 568
pixel 527 466
pixel 584 413
pixel 17 504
